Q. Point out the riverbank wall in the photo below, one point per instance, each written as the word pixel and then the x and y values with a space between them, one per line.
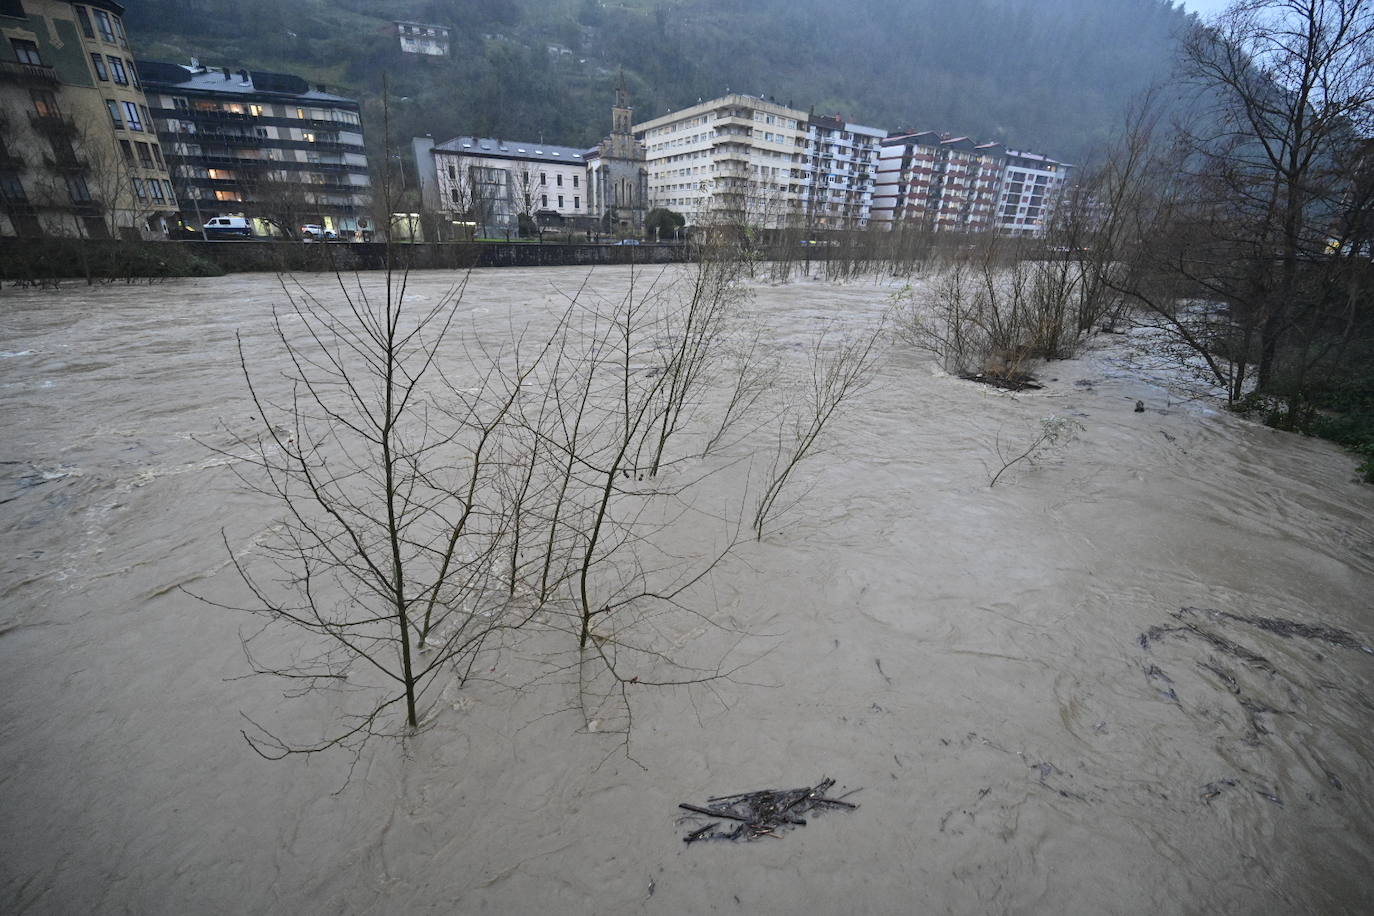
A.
pixel 45 259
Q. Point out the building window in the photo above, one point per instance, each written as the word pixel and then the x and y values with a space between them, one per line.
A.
pixel 167 190
pixel 145 155
pixel 133 73
pixel 127 150
pixel 544 201
pixel 103 22
pixel 577 203
pixel 157 154
pixel 543 179
pixel 227 195
pixel 155 189
pixel 85 21
pixel 574 181
pixel 131 116
pixel 560 182
pixel 117 69
pixel 453 192
pixel 11 187
pixel 26 52
pixel 113 106
pixel 560 201
pixel 76 186
pixel 139 191
pixel 453 173
pixel 255 110
pixel 44 103
pixel 98 63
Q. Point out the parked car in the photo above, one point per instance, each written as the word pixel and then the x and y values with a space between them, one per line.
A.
pixel 311 231
pixel 228 225
pixel 628 242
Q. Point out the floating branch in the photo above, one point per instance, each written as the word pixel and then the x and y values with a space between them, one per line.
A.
pixel 763 813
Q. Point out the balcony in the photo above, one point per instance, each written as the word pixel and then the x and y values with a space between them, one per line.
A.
pixel 66 165
pixel 55 124
pixel 210 115
pixel 28 74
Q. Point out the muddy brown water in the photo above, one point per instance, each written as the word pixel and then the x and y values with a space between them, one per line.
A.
pixel 971 658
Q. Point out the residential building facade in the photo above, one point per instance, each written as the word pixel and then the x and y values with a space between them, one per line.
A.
pixel 839 172
pixel 938 183
pixel 618 174
pixel 422 38
pixel 78 152
pixel 486 184
pixel 1032 186
pixel 737 160
pixel 265 146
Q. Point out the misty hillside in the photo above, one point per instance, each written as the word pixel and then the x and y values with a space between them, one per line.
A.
pixel 1052 75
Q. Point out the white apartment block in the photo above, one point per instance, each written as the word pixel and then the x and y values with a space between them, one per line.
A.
pixel 737 159
pixel 421 38
pixel 839 173
pixel 1031 188
pixel 491 182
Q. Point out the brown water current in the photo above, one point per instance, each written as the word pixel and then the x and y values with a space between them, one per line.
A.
pixel 1009 675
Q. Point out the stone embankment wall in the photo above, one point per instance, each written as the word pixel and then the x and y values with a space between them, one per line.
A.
pixel 36 260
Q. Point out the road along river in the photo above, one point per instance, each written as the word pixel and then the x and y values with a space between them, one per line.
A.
pixel 1008 673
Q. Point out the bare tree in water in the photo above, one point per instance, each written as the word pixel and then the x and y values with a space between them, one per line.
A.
pixel 445 498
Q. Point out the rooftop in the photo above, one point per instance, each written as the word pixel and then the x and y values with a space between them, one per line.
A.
pixel 228 81
pixel 512 149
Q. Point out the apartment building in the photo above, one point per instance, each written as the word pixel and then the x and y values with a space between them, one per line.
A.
pixel 423 38
pixel 1032 186
pixel 78 155
pixel 839 172
pixel 738 159
pixel 938 183
pixel 488 184
pixel 266 146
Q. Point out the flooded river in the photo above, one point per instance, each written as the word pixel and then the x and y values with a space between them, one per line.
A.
pixel 1132 677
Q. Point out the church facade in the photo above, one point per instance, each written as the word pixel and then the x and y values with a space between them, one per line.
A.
pixel 618 175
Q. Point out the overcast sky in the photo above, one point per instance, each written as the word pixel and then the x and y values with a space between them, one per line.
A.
pixel 1205 8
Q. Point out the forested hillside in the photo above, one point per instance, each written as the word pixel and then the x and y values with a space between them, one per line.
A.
pixel 1052 75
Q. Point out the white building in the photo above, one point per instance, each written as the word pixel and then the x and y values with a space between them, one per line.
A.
pixel 839 174
pixel 738 159
pixel 1032 186
pixel 490 182
pixel 422 38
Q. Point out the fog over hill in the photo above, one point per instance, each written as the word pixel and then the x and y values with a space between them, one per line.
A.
pixel 1052 75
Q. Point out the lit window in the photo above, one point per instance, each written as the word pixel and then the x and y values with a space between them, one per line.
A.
pixel 131 116
pixel 117 70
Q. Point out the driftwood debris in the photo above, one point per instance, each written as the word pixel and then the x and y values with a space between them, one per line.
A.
pixel 765 812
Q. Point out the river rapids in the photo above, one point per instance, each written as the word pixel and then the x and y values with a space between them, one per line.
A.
pixel 1133 677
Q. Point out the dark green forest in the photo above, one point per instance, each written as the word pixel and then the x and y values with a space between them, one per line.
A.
pixel 1050 75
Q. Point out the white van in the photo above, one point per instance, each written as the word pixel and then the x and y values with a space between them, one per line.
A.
pixel 228 225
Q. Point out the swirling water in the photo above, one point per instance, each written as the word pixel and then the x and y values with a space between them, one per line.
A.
pixel 972 657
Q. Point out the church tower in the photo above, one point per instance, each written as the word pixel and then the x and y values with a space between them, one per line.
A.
pixel 621 113
pixel 618 173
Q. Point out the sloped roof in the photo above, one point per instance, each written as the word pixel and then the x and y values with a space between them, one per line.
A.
pixel 512 149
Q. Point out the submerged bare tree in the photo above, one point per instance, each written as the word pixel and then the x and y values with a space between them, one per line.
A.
pixel 443 496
